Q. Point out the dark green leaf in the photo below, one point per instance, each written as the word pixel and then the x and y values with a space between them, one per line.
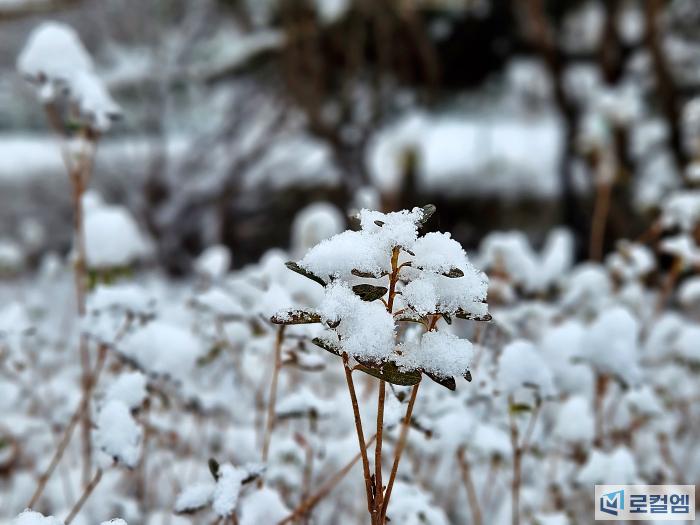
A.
pixel 214 468
pixel 327 345
pixel 454 272
pixel 447 318
pixel 368 275
pixel 468 376
pixel 379 223
pixel 369 292
pixel 390 372
pixel 447 382
pixel 428 211
pixel 296 317
pixel 306 273
pixel 461 314
pixel 408 317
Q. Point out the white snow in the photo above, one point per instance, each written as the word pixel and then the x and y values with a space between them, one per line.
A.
pixel 129 388
pixel 29 517
pixel 112 236
pixel 195 496
pixel 117 433
pixel 441 353
pixel 575 422
pixel 681 209
pixel 213 262
pixel 366 329
pixel 602 468
pixel 520 366
pixel 162 348
pixel 611 345
pixel 466 155
pixel 313 224
pixel 228 487
pixel 263 506
pixel 54 58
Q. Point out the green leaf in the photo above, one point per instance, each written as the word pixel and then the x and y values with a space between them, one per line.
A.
pixel 519 408
pixel 468 376
pixel 409 317
pixel 214 468
pixel 447 318
pixel 296 317
pixel 428 211
pixel 390 372
pixel 327 345
pixel 461 314
pixel 454 273
pixel 369 292
pixel 447 382
pixel 306 273
pixel 368 275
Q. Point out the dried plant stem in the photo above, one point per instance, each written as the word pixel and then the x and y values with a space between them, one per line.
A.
pixel 272 397
pixel 469 486
pixel 360 434
pixel 84 496
pixel 600 390
pixel 68 432
pixel 378 485
pixel 601 209
pixel 517 472
pixel 79 173
pixel 399 451
pixel 309 503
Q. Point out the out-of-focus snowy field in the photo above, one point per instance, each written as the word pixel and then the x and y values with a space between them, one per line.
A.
pixel 194 296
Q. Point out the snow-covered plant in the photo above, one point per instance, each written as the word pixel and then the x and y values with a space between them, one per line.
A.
pixel 377 281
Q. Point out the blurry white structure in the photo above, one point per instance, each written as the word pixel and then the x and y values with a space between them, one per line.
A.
pixel 112 236
pixel 313 224
pixel 214 262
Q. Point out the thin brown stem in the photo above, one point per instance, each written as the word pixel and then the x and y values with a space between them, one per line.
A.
pixel 517 474
pixel 272 398
pixel 360 434
pixel 469 486
pixel 599 221
pixel 68 432
pixel 378 486
pixel 309 503
pixel 83 498
pixel 399 450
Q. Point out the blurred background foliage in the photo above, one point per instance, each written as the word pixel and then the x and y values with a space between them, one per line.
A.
pixel 239 113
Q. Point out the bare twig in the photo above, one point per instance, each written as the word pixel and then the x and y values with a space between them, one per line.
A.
pixel 272 398
pixel 360 434
pixel 469 486
pixel 309 503
pixel 68 432
pixel 83 498
pixel 399 450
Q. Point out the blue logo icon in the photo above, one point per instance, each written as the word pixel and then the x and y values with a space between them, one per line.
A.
pixel 612 502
